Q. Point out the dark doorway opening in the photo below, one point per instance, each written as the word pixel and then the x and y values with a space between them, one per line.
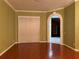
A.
pixel 55 27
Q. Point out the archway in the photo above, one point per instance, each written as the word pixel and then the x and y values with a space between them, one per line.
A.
pixel 49 26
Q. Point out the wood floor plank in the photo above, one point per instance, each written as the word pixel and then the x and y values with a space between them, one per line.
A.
pixel 40 51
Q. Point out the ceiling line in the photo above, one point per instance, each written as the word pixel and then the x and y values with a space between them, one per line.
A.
pixel 41 11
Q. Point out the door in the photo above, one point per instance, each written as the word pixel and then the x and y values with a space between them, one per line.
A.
pixel 28 29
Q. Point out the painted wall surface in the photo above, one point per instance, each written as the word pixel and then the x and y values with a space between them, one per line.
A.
pixel 43 36
pixel 77 25
pixel 69 25
pixel 7 34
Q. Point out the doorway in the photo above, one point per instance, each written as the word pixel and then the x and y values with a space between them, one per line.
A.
pixel 55 28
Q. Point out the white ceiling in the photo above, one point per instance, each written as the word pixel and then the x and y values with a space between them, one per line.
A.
pixel 39 5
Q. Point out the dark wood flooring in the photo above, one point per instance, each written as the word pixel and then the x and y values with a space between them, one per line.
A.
pixel 40 51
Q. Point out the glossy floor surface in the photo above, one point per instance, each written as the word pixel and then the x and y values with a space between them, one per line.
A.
pixel 40 51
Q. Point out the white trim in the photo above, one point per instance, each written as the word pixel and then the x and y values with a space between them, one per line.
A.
pixel 69 47
pixel 16 42
pixel 9 5
pixel 76 50
pixel 31 11
pixel 7 49
pixel 36 42
pixel 33 42
pixel 44 42
pixel 55 9
pixel 76 0
pixel 40 11
pixel 49 26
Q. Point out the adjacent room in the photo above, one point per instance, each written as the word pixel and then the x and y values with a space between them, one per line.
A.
pixel 55 29
pixel 39 29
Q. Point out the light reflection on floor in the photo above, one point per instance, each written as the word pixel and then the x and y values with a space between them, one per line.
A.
pixel 50 52
pixel 55 40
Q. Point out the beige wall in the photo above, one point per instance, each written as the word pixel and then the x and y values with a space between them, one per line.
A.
pixel 43 36
pixel 69 25
pixel 77 25
pixel 43 22
pixel 6 26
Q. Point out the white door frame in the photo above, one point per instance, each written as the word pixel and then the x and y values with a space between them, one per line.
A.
pixel 49 27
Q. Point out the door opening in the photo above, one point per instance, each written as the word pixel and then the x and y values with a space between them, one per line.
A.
pixel 55 28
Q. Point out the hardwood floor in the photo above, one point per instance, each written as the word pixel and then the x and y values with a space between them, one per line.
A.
pixel 40 51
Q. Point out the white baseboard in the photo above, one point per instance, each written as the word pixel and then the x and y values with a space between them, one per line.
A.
pixel 33 42
pixel 68 46
pixel 44 42
pixel 7 49
pixel 76 50
pixel 36 42
pixel 25 42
